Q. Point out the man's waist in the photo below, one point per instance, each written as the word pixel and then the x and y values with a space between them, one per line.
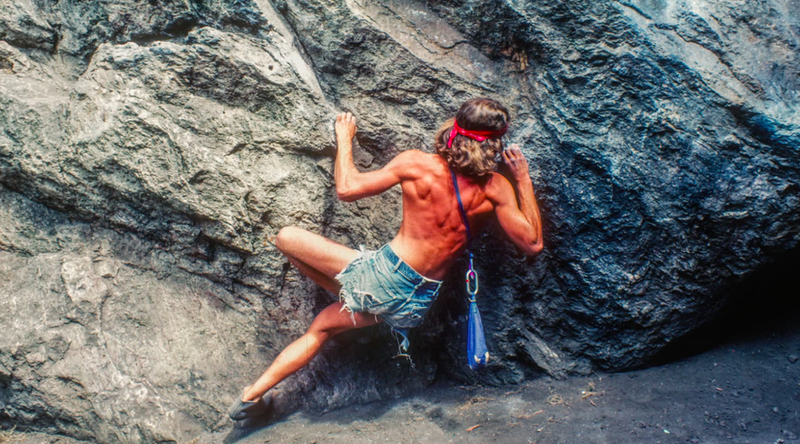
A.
pixel 427 262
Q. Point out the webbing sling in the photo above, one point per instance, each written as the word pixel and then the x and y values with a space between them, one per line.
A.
pixel 477 354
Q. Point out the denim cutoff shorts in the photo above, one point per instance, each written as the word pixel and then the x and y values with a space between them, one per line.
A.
pixel 380 283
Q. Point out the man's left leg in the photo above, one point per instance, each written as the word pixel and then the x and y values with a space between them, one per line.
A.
pixel 315 256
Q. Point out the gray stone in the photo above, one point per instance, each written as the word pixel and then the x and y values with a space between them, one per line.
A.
pixel 81 282
pixel 148 151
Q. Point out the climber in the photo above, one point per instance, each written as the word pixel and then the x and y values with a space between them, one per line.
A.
pixel 397 283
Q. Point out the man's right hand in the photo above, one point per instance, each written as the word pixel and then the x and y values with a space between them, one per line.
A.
pixel 345 126
pixel 516 162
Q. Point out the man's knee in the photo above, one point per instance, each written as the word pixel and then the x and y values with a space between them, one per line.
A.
pixel 285 237
pixel 321 334
pixel 330 322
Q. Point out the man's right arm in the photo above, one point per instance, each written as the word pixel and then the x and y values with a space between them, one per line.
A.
pixel 522 222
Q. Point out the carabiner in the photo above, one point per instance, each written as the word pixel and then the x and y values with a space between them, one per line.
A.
pixel 472 277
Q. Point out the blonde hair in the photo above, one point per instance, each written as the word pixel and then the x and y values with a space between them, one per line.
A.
pixel 468 156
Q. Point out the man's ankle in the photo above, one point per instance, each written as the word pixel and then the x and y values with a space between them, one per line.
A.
pixel 248 396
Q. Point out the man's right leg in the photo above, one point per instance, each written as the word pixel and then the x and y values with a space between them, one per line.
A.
pixel 321 259
pixel 328 323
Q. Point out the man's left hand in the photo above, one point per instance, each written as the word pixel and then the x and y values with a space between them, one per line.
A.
pixel 345 126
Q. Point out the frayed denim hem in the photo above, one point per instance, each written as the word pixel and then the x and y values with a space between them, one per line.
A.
pixel 345 298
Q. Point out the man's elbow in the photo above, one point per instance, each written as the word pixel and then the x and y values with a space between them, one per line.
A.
pixel 345 194
pixel 534 248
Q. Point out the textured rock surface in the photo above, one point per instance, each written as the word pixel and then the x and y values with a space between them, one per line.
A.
pixel 147 150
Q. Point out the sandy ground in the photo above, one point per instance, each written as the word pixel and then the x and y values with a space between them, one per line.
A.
pixel 746 390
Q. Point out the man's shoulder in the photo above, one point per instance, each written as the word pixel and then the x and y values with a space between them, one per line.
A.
pixel 418 155
pixel 412 165
pixel 420 160
pixel 498 187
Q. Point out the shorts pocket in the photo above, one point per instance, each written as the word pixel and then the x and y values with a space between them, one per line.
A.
pixel 393 283
pixel 380 302
pixel 412 312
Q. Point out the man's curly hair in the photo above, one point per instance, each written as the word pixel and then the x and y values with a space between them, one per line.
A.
pixel 467 156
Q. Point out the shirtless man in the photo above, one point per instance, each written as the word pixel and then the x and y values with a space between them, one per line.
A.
pixel 397 283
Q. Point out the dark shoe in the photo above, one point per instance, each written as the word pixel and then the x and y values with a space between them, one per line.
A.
pixel 249 409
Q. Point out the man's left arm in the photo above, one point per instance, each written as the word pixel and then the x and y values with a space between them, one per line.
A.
pixel 352 184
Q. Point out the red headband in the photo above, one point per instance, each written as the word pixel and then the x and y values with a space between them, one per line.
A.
pixel 480 136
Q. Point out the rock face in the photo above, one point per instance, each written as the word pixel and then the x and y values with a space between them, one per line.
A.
pixel 147 150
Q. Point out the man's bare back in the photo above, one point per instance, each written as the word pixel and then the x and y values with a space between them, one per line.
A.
pixel 432 234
